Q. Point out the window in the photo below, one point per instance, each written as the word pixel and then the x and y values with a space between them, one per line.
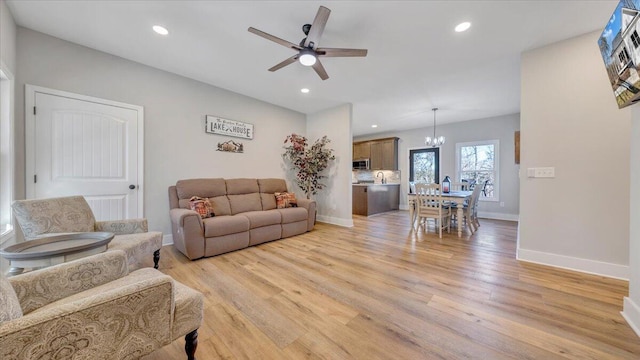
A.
pixel 480 161
pixel 623 55
pixel 424 165
pixel 6 154
pixel 635 39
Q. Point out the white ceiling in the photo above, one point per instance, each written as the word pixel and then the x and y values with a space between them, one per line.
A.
pixel 415 62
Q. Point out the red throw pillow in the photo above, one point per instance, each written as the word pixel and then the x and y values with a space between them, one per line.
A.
pixel 201 206
pixel 285 200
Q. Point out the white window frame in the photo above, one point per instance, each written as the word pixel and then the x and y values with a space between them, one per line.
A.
pixel 6 148
pixel 496 167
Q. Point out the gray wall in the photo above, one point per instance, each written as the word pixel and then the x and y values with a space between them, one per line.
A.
pixel 176 146
pixel 570 120
pixel 501 128
pixel 336 124
pixel 7 38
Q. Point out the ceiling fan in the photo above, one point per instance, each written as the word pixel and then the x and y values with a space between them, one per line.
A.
pixel 308 50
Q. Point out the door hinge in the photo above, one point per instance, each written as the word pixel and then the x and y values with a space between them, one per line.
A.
pixel 35 178
pixel 34 110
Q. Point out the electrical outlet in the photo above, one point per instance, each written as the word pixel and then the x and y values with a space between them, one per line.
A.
pixel 501 203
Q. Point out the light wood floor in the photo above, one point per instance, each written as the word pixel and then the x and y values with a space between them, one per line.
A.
pixel 380 291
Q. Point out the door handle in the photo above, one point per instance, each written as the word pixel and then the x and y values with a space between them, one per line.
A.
pixel 132 186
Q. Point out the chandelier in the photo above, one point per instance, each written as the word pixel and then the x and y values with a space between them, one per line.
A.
pixel 434 141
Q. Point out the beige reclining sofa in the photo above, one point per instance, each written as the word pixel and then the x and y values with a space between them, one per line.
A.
pixel 245 214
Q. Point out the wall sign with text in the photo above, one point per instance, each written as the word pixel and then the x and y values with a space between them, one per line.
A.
pixel 220 126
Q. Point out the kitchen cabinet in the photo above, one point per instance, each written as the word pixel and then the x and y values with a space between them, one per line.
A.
pixel 384 154
pixel 361 150
pixel 369 199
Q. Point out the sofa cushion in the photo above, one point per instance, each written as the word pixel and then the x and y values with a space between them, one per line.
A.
pixel 224 225
pixel 268 201
pixel 220 205
pixel 242 186
pixel 245 202
pixel 200 187
pixel 262 218
pixel 293 214
pixel 9 305
pixel 272 185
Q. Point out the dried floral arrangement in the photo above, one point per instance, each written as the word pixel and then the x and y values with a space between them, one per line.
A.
pixel 308 161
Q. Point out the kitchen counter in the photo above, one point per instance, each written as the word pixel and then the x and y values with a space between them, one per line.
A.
pixel 369 199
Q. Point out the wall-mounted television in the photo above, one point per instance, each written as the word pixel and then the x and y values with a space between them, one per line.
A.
pixel 619 45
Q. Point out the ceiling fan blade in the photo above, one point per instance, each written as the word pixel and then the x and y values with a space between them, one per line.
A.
pixel 275 39
pixel 284 63
pixel 333 52
pixel 317 28
pixel 320 70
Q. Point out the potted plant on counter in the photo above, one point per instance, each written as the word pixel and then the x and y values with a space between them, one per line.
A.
pixel 308 161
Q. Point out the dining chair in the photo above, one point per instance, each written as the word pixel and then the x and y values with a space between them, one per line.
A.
pixel 469 211
pixel 460 186
pixel 430 206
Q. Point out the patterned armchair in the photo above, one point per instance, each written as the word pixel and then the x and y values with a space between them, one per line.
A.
pixel 94 308
pixel 40 217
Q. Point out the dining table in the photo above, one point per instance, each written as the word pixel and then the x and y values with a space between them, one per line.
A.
pixel 457 197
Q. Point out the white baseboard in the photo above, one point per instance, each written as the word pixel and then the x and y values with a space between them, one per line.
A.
pixel 335 220
pixel 167 240
pixel 631 314
pixel 576 264
pixel 498 216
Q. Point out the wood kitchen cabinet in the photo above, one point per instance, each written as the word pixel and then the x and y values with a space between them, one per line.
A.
pixel 361 150
pixel 373 199
pixel 384 154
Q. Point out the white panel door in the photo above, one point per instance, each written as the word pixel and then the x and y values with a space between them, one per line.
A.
pixel 87 148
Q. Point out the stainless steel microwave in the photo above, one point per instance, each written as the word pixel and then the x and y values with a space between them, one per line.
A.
pixel 361 164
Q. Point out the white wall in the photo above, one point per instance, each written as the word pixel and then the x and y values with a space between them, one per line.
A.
pixel 570 120
pixel 334 202
pixel 176 146
pixel 501 128
pixel 632 303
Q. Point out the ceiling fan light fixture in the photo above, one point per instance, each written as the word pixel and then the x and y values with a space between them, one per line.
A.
pixel 463 26
pixel 307 58
pixel 160 30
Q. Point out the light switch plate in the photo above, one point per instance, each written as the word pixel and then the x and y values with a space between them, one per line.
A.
pixel 542 172
pixel 546 172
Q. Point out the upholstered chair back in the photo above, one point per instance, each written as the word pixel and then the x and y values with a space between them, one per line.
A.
pixel 53 215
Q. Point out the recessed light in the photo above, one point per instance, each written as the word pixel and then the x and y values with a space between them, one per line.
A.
pixel 160 30
pixel 374 126
pixel 463 26
pixel 304 91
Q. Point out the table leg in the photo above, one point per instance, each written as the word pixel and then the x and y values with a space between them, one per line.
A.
pixel 412 214
pixel 459 218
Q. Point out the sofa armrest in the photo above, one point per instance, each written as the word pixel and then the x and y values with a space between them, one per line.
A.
pixel 97 325
pixel 310 205
pixel 188 232
pixel 121 227
pixel 41 287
